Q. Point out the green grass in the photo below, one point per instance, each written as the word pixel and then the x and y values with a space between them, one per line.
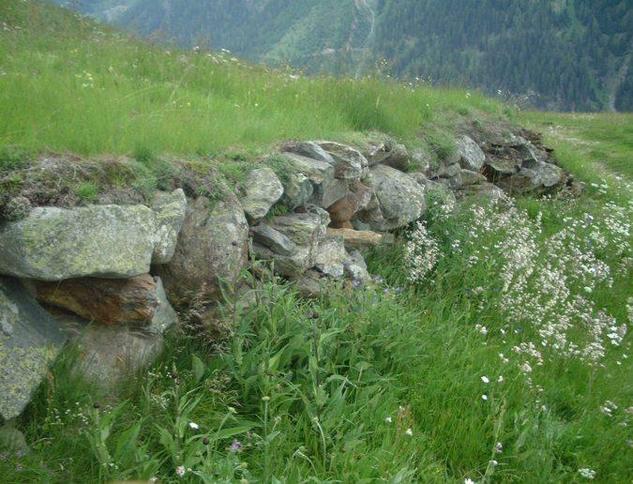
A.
pixel 605 139
pixel 67 84
pixel 359 386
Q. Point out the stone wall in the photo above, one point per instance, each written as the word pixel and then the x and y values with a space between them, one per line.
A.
pixel 107 276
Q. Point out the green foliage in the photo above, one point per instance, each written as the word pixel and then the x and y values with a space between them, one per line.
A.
pixel 87 191
pixel 13 157
pixel 101 92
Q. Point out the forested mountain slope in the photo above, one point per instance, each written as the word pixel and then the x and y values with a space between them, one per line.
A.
pixel 563 54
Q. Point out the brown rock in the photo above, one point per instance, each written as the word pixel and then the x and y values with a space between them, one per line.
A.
pixel 342 211
pixel 107 301
pixel 359 239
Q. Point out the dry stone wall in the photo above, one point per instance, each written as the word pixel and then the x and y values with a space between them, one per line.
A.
pixel 95 274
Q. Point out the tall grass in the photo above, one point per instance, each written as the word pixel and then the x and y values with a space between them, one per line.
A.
pixel 67 84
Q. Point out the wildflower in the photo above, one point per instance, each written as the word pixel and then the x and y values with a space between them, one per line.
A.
pixel 468 481
pixel 485 379
pixel 484 397
pixel 180 471
pixel 388 420
pixel 587 473
pixel 482 329
pixel 236 446
pixel 265 399
pixel 499 448
pixel 409 432
pixel 494 463
pixel 193 426
pixel 500 379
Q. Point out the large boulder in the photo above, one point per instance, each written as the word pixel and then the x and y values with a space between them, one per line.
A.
pixel 397 200
pixel 170 209
pixel 212 249
pixel 262 190
pixel 107 301
pixel 109 354
pixel 53 244
pixel 471 155
pixel 29 341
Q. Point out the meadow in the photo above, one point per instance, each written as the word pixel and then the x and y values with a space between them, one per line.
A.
pixel 493 347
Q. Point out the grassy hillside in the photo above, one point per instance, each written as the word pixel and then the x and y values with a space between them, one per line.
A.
pixel 68 84
pixel 505 362
pixel 566 55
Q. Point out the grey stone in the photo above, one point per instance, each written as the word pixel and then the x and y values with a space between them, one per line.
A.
pixel 272 239
pixel 309 149
pixel 397 201
pixel 382 149
pixel 305 230
pixel 298 190
pixel 212 250
pixel 329 192
pixel 468 177
pixel 170 209
pixel 356 269
pixel 262 190
pixel 503 166
pixel 485 190
pixel 29 341
pixel 330 257
pixel 471 155
pixel 53 243
pixel 350 163
pixel 316 170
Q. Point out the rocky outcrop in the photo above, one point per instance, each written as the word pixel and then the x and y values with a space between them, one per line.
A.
pixel 397 200
pixel 106 301
pixel 212 250
pixel 262 190
pixel 29 341
pixel 53 244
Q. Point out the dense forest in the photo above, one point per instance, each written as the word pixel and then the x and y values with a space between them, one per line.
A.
pixel 572 55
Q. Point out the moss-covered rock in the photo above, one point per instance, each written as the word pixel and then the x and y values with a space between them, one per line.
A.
pixel 29 341
pixel 53 243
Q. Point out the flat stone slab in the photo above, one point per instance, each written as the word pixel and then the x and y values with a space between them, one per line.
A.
pixel 30 339
pixel 53 243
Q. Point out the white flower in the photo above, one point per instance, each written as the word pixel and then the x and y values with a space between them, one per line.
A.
pixel 484 397
pixel 388 420
pixel 194 426
pixel 587 473
pixel 494 463
pixel 409 432
pixel 485 379
pixel 500 379
pixel 468 481
pixel 180 471
pixel 499 448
